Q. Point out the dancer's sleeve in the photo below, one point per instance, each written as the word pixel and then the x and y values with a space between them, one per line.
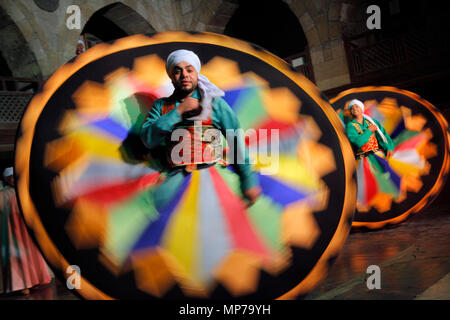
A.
pixel 156 126
pixel 357 139
pixel 226 120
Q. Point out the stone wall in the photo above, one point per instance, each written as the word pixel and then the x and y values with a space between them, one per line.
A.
pixel 321 22
pixel 52 43
pixel 15 50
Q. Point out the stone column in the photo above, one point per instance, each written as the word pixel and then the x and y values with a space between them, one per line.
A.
pixel 320 22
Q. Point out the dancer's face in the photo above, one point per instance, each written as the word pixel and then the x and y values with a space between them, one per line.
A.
pixel 184 77
pixel 356 111
pixel 10 180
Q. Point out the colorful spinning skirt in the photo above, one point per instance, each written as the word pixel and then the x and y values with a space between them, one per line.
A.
pixel 390 189
pixel 22 265
pixel 96 198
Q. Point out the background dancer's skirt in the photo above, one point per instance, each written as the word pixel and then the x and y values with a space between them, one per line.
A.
pixel 22 265
pixel 137 232
pixel 374 176
pixel 389 190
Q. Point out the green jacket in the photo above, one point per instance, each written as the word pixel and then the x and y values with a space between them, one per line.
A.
pixel 358 140
pixel 157 128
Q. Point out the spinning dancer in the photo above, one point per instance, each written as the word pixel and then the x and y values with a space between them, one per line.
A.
pixel 21 266
pixel 368 137
pixel 196 106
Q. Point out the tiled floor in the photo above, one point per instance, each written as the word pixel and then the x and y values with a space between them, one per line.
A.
pixel 53 291
pixel 414 261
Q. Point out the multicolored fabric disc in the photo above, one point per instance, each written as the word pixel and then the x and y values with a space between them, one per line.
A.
pixel 390 189
pixel 96 198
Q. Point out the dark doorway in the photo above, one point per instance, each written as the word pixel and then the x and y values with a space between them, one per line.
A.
pixel 270 24
pixel 113 22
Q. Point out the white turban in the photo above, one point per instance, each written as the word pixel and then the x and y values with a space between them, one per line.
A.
pixel 208 90
pixel 357 102
pixel 361 105
pixel 8 172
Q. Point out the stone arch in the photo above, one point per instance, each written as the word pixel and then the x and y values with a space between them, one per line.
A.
pixel 322 23
pixel 44 31
pixel 223 12
pixel 319 19
pixel 53 43
pixel 18 60
pixel 195 15
pixel 114 21
pixel 230 17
